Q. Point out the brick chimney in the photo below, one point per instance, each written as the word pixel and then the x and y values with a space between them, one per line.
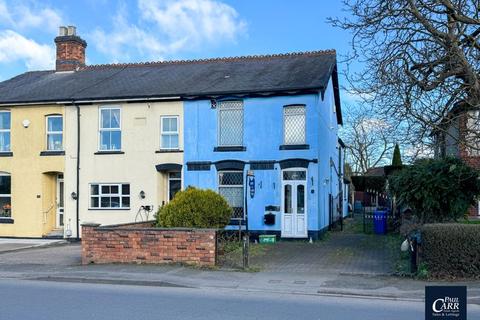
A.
pixel 70 49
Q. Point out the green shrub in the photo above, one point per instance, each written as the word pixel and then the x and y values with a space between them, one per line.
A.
pixel 195 208
pixel 451 250
pixel 436 190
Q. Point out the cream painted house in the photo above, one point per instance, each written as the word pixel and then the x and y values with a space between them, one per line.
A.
pixel 131 157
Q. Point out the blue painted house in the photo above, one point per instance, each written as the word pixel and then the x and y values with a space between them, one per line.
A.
pixel 266 138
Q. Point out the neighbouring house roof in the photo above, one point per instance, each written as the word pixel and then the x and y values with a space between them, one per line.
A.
pixel 292 73
pixel 375 171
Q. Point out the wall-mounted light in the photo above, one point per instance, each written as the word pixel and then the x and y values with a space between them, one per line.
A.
pixel 74 195
pixel 26 123
pixel 213 103
pixel 142 194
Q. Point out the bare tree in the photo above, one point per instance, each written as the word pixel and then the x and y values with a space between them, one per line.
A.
pixel 421 60
pixel 369 139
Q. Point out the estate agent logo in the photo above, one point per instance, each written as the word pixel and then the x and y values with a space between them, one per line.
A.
pixel 445 302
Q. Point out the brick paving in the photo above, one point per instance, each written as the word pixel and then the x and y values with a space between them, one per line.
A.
pixel 344 252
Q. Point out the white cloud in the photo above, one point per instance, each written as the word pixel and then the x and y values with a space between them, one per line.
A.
pixel 21 15
pixel 193 20
pixel 4 13
pixel 166 27
pixel 15 47
pixel 21 18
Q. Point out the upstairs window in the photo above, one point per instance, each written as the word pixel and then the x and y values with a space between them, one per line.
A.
pixel 110 196
pixel 169 133
pixel 5 196
pixel 110 130
pixel 294 125
pixel 55 133
pixel 230 123
pixel 230 186
pixel 5 131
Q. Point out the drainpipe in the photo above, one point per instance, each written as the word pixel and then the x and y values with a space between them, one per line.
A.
pixel 78 174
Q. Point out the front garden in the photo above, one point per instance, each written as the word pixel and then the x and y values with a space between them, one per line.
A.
pixel 435 197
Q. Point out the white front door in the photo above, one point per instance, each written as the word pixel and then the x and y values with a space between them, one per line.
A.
pixel 294 204
pixel 60 201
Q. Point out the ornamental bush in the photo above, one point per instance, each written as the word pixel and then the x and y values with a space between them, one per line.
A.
pixel 437 190
pixel 195 208
pixel 451 250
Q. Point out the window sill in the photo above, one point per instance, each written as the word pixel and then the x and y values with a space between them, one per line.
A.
pixel 168 151
pixel 6 220
pixel 294 147
pixel 109 209
pixel 109 152
pixel 6 154
pixel 229 149
pixel 52 153
pixel 234 222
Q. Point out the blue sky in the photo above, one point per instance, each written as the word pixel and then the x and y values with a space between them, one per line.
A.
pixel 146 30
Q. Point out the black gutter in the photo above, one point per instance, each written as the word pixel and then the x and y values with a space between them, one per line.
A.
pixel 180 96
pixel 78 173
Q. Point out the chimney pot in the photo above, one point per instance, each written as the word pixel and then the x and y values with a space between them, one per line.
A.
pixel 62 31
pixel 72 30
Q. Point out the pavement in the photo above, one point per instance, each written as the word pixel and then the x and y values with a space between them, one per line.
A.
pixel 61 263
pixel 14 244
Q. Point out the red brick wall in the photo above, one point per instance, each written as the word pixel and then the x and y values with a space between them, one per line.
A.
pixel 70 54
pixel 124 244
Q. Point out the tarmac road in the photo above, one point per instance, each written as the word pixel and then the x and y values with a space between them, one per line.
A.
pixel 26 299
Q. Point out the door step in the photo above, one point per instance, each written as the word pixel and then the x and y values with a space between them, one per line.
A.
pixel 54 234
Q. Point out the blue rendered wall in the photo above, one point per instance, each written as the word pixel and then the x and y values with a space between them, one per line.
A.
pixel 263 134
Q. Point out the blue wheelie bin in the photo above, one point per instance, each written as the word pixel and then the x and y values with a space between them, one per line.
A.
pixel 380 221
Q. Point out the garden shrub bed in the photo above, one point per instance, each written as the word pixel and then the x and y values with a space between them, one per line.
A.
pixel 451 250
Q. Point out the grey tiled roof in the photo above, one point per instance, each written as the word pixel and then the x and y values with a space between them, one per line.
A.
pixel 186 79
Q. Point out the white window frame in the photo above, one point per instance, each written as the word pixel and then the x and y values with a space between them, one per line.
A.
pixel 219 122
pixel 169 133
pixel 8 130
pixel 285 127
pixel 110 195
pixel 233 186
pixel 47 133
pixel 100 129
pixel 5 195
pixel 172 179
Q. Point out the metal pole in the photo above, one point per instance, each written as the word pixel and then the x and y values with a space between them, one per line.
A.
pixel 246 241
pixel 77 204
pixel 413 256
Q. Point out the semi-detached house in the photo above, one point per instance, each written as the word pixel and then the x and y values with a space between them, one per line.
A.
pixel 112 143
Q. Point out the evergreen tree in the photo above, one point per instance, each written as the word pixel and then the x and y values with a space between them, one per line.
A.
pixel 397 158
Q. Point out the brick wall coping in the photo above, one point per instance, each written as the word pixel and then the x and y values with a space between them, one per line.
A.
pixel 98 227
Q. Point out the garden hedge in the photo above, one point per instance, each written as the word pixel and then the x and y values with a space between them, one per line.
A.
pixel 451 250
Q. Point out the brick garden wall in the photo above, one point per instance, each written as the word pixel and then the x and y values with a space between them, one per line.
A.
pixel 141 243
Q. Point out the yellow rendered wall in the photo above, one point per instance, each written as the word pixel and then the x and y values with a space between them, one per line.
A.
pixel 33 176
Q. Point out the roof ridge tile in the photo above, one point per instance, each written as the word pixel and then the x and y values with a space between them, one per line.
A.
pixel 207 60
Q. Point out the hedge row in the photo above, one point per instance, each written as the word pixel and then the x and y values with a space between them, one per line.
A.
pixel 451 250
